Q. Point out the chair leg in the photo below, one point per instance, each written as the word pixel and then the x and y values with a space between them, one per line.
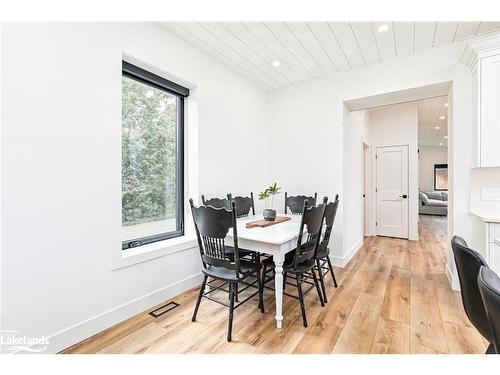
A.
pixel 331 271
pixel 284 280
pixel 315 278
pixel 301 299
pixel 231 309
pixel 264 270
pixel 236 292
pixel 261 292
pixel 491 349
pixel 202 289
pixel 321 279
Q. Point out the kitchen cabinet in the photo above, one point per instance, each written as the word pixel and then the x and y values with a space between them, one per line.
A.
pixel 483 58
pixel 486 240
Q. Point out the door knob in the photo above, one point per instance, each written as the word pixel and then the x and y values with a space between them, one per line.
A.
pixel 404 196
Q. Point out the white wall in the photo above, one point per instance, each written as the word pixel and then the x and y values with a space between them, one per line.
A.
pixel 306 123
pixel 356 131
pixel 61 162
pixel 429 155
pixel 484 178
pixel 397 125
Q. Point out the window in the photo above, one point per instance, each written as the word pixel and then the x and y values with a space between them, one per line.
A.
pixel 152 157
pixel 440 176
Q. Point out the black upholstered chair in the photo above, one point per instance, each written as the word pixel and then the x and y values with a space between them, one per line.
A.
pixel 296 203
pixel 243 205
pixel 217 202
pixel 212 225
pixel 300 262
pixel 322 257
pixel 489 287
pixel 468 264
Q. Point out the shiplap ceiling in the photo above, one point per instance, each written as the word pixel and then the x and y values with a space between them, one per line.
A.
pixel 315 49
pixel 433 113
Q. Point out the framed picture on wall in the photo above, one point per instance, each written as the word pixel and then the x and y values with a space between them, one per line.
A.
pixel 440 176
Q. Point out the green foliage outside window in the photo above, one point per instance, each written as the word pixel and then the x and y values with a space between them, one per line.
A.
pixel 148 153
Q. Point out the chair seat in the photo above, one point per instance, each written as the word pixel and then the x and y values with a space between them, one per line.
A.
pixel 288 264
pixel 222 273
pixel 323 252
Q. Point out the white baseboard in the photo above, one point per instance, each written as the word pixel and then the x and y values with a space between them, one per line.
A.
pixel 80 331
pixel 452 279
pixel 342 261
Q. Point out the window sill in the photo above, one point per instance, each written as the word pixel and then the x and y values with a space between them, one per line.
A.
pixel 151 251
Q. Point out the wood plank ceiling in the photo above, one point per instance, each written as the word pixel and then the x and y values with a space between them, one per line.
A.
pixel 275 54
pixel 433 122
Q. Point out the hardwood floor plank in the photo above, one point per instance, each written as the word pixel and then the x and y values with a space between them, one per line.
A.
pixel 391 337
pixel 359 331
pixel 136 341
pixel 450 302
pixel 396 304
pixel 320 339
pixel 462 339
pixel 424 304
pixel 427 338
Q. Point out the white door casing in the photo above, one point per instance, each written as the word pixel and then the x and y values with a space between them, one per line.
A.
pixel 392 191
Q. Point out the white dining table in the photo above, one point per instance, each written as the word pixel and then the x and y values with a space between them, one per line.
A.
pixel 275 240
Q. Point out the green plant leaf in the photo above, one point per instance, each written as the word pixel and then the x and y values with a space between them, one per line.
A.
pixel 274 189
pixel 263 195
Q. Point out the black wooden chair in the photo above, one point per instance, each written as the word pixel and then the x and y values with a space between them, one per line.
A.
pixel 300 261
pixel 468 264
pixel 217 202
pixel 243 205
pixel 296 203
pixel 226 203
pixel 212 225
pixel 322 257
pixel 489 287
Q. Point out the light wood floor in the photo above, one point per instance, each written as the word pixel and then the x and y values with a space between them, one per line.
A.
pixel 393 297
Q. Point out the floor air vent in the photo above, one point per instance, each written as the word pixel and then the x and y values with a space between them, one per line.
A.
pixel 164 309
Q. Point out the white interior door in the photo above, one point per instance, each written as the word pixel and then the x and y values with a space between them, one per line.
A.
pixel 392 191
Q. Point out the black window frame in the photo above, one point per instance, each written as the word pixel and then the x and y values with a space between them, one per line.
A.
pixel 146 77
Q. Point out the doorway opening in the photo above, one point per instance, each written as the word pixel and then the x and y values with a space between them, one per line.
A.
pixel 384 136
pixel 433 163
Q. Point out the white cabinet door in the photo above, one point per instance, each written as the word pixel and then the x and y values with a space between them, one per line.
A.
pixel 494 261
pixel 489 137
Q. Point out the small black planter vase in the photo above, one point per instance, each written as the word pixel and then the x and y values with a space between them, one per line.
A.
pixel 269 215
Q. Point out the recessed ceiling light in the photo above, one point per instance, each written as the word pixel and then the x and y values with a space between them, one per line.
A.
pixel 442 117
pixel 446 104
pixel 445 137
pixel 437 127
pixel 276 63
pixel 440 144
pixel 383 28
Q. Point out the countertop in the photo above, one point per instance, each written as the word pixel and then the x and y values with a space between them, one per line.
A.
pixel 487 217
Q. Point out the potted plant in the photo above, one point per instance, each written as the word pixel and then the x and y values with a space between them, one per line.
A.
pixel 268 197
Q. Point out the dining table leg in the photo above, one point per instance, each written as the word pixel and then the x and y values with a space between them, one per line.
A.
pixel 278 287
